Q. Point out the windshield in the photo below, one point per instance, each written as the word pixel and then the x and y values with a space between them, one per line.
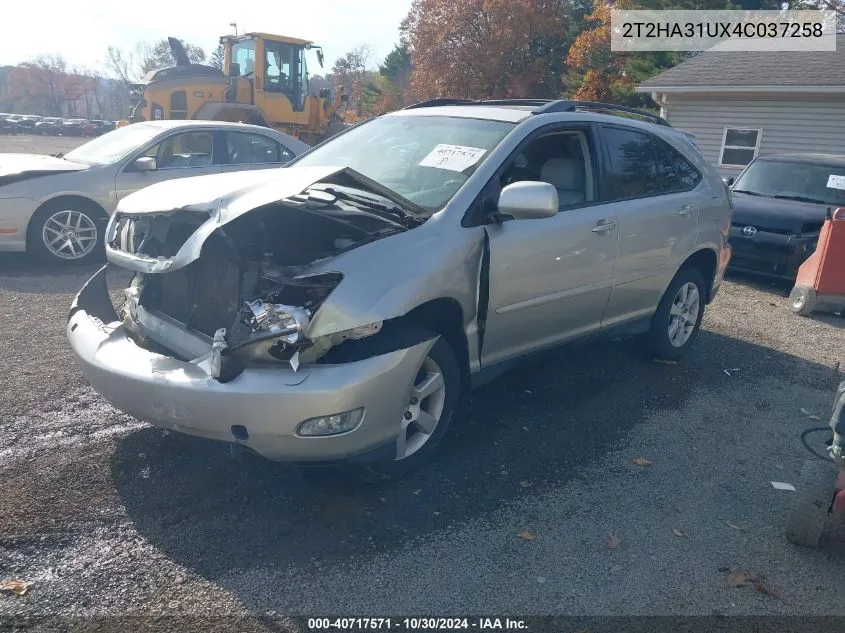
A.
pixel 800 181
pixel 425 159
pixel 113 145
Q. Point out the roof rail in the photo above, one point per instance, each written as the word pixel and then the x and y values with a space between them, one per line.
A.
pixel 565 105
pixel 515 102
pixel 438 102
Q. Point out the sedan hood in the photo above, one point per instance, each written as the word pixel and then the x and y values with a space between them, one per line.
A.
pixel 35 164
pixel 229 194
pixel 775 213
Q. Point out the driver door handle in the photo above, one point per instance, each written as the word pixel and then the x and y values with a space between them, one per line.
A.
pixel 685 210
pixel 603 227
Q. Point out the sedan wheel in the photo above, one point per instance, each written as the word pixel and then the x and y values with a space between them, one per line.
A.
pixel 69 234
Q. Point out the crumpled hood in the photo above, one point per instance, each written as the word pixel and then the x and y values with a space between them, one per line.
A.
pixel 223 196
pixel 232 193
pixel 14 164
pixel 774 213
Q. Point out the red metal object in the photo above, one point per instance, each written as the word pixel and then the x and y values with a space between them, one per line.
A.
pixel 820 283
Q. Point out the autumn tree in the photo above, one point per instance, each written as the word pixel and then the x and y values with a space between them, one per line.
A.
pixel 46 84
pixel 595 73
pixel 486 48
pixel 350 72
pixel 159 55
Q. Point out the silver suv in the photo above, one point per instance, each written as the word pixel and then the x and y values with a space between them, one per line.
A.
pixel 337 308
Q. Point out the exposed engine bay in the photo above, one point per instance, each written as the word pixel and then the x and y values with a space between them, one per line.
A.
pixel 250 295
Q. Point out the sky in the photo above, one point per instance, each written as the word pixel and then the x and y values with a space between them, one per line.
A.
pixel 83 30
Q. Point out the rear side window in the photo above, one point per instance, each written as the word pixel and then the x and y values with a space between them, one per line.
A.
pixel 633 163
pixel 687 175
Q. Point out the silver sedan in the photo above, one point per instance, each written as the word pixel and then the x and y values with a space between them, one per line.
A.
pixel 57 207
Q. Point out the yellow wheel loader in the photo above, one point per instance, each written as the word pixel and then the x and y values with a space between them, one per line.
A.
pixel 264 81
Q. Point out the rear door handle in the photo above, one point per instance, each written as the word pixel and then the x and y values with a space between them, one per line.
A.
pixel 685 210
pixel 603 227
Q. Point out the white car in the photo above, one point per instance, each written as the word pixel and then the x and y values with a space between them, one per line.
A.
pixel 57 207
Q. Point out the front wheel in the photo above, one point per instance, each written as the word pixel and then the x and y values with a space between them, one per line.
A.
pixel 433 397
pixel 66 232
pixel 678 316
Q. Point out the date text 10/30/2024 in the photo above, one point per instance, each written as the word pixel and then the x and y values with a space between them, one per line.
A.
pixel 416 624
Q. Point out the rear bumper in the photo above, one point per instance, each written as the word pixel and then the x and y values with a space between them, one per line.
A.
pixel 271 401
pixel 770 254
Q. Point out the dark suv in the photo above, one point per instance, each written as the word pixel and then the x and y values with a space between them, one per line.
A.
pixel 779 206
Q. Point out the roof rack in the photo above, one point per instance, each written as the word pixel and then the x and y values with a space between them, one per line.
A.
pixel 565 105
pixel 439 102
pixel 545 106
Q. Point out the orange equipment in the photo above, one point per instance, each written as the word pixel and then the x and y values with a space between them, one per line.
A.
pixel 820 284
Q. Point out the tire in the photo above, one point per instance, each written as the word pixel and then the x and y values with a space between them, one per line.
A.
pixel 659 340
pixel 48 220
pixel 802 301
pixel 440 357
pixel 815 489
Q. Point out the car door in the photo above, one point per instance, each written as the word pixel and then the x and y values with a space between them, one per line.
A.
pixel 251 150
pixel 550 279
pixel 658 219
pixel 182 154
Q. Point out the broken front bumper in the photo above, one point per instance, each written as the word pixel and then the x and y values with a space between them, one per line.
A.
pixel 270 401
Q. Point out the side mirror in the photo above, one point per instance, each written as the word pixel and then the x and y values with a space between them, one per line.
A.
pixel 528 200
pixel 145 163
pixel 728 181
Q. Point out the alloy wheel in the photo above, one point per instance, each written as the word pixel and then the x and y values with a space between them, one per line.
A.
pixel 69 234
pixel 425 408
pixel 683 315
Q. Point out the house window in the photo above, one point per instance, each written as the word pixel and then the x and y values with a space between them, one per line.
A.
pixel 739 146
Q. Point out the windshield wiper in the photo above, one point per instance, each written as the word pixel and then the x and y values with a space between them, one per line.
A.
pixel 750 193
pixel 59 155
pixel 373 203
pixel 799 199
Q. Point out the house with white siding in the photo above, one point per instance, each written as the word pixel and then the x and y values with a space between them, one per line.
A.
pixel 739 105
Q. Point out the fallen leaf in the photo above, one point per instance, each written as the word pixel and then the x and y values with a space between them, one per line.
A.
pixel 665 362
pixel 760 587
pixel 525 428
pixel 642 461
pixel 525 535
pixel 525 484
pixel 726 372
pixel 740 578
pixel 805 412
pixel 733 526
pixel 815 417
pixel 780 485
pixel 19 587
pixel 614 541
pixel 678 532
pixel 417 491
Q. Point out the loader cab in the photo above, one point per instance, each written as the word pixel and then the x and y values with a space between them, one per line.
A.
pixel 276 67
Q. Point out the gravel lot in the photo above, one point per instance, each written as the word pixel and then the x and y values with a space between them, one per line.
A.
pixel 109 516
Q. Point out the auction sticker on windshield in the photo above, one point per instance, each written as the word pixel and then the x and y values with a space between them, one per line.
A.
pixel 836 182
pixel 453 157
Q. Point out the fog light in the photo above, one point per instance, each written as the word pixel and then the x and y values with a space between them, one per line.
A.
pixel 331 424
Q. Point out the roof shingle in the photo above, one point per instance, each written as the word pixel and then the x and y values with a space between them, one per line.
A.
pixel 757 68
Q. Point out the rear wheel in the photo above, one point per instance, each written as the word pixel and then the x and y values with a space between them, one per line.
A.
pixel 67 232
pixel 678 316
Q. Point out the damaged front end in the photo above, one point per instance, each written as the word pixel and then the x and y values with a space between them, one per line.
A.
pixel 222 291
